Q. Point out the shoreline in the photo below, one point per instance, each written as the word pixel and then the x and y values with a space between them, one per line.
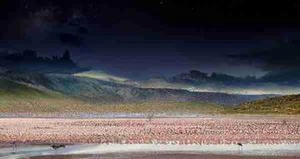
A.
pixel 142 115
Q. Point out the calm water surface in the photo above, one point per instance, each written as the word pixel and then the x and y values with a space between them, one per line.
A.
pixel 160 156
pixel 119 151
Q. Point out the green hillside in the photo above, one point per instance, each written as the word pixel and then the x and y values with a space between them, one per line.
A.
pixel 67 93
pixel 17 97
pixel 11 89
pixel 20 98
pixel 277 105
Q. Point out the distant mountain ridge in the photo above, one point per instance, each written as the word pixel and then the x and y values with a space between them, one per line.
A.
pixel 282 83
pixel 29 61
pixel 198 77
pixel 289 76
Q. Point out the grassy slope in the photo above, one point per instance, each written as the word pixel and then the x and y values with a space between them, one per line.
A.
pixel 162 107
pixel 19 97
pixel 10 90
pixel 102 91
pixel 16 97
pixel 277 105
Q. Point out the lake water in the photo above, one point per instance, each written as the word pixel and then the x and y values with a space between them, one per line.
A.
pixel 153 151
pixel 161 156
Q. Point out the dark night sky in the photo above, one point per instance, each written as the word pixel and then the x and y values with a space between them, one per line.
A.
pixel 152 37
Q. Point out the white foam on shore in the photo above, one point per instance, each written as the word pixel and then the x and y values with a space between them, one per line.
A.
pixel 247 149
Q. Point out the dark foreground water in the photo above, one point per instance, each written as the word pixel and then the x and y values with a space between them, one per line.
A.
pixel 160 156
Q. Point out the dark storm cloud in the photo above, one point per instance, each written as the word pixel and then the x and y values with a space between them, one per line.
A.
pixel 70 39
pixel 285 55
pixel 82 30
pixel 118 33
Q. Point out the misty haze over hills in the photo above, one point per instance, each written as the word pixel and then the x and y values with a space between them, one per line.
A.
pixel 29 61
pixel 281 82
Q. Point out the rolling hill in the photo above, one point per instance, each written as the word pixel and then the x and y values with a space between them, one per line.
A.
pixel 16 97
pixel 13 89
pixel 30 83
pixel 32 92
pixel 95 90
pixel 20 97
pixel 280 105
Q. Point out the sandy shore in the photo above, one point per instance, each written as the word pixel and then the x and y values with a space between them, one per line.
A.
pixel 221 130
